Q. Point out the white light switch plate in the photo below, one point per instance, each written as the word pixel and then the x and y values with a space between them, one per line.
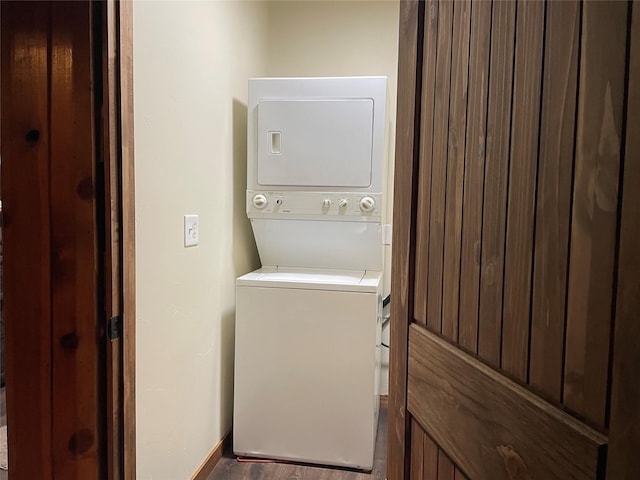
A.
pixel 191 230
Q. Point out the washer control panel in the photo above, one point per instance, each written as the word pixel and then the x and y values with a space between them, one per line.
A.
pixel 313 204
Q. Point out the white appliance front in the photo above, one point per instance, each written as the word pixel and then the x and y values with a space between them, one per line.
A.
pixel 307 367
pixel 315 143
pixel 315 154
pixel 316 134
pixel 317 244
pixel 308 340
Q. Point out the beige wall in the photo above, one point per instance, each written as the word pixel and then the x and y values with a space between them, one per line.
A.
pixel 191 64
pixel 336 38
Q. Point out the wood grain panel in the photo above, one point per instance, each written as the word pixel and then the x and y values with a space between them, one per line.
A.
pixel 491 427
pixel 125 42
pixel 26 236
pixel 495 186
pixel 525 118
pixel 557 130
pixel 430 467
pixel 460 475
pixel 455 168
pixel 474 175
pixel 446 468
pixel 516 231
pixel 439 169
pixel 76 436
pixel 402 265
pixel 426 156
pixel 623 458
pixel 428 461
pixel 595 208
pixel 417 451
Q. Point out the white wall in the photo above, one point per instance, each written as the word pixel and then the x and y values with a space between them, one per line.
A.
pixel 336 38
pixel 191 64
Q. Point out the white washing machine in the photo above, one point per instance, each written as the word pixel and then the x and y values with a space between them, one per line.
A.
pixel 308 323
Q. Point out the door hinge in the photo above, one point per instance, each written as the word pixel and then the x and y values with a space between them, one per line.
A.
pixel 114 327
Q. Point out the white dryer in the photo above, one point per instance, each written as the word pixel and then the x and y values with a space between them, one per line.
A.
pixel 307 356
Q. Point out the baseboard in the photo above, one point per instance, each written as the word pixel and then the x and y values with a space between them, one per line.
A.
pixel 384 400
pixel 209 463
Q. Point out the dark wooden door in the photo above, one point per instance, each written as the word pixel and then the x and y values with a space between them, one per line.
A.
pixel 62 143
pixel 114 25
pixel 509 160
pixel 107 12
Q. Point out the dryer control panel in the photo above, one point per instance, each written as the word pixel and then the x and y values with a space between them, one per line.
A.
pixel 314 205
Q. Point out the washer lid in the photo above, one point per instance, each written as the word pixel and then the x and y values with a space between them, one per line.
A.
pixel 312 279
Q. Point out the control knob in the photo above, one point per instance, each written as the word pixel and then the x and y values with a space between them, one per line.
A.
pixel 326 203
pixel 259 201
pixel 343 202
pixel 367 204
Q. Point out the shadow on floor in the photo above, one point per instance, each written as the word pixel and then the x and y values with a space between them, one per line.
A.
pixel 229 469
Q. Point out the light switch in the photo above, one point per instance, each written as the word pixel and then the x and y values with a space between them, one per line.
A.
pixel 191 230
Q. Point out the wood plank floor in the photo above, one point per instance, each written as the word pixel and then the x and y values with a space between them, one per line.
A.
pixel 229 469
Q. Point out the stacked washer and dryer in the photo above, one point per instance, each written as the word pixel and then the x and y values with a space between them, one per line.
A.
pixel 308 323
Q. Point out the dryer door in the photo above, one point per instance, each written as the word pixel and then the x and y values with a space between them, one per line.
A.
pixel 315 143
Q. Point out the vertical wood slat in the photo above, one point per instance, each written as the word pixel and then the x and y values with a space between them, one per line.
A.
pixel 554 197
pixel 417 451
pixel 431 452
pixel 125 43
pixel 525 118
pixel 624 433
pixel 446 468
pixel 439 170
pixel 428 461
pixel 26 236
pixel 474 174
pixel 77 441
pixel 595 208
pixel 455 168
pixel 495 186
pixel 426 156
pixel 460 475
pixel 409 68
